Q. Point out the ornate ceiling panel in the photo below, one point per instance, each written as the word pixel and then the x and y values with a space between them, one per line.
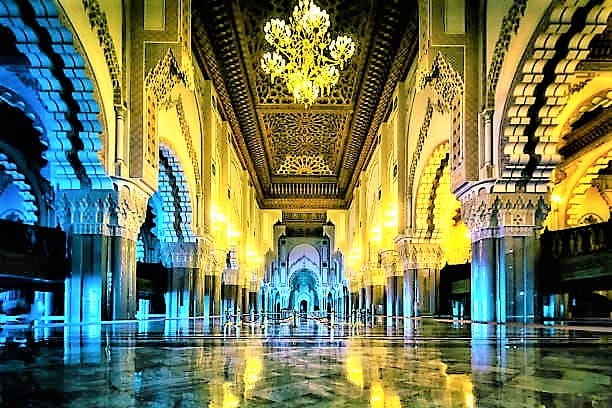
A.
pixel 300 138
pixel 302 157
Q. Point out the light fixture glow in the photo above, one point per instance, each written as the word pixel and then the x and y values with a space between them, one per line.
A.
pixel 299 56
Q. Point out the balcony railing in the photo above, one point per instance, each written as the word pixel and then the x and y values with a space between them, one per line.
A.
pixel 579 241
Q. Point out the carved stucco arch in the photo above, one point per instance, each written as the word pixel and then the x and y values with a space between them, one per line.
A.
pixel 542 84
pixel 37 187
pixel 181 148
pixel 427 190
pixel 174 200
pixel 57 72
pixel 573 213
pixel 580 182
pixel 9 169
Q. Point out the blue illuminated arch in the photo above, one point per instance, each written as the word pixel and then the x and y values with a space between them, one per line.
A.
pixel 27 209
pixel 57 73
pixel 174 200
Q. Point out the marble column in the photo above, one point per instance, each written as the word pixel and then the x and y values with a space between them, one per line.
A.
pixel 395 283
pixel 410 309
pixel 102 227
pixel 183 261
pixel 420 259
pixel 505 247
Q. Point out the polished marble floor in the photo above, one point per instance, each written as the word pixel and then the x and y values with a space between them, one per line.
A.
pixel 194 364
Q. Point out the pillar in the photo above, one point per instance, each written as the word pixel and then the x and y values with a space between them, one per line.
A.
pixel 102 228
pixel 183 261
pixel 395 283
pixel 420 260
pixel 505 246
pixel 232 291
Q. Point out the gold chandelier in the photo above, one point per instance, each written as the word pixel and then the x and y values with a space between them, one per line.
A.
pixel 299 58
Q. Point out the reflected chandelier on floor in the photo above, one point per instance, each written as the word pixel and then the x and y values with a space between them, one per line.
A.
pixel 300 58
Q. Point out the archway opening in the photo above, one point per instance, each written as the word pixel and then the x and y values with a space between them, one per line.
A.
pixel 304 288
pixel 304 306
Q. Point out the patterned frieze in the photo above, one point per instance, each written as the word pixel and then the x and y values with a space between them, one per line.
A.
pixel 509 27
pixel 99 24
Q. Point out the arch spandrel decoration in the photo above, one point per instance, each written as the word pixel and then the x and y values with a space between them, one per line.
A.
pixel 159 85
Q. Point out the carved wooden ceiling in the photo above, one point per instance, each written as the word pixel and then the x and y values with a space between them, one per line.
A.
pixel 298 157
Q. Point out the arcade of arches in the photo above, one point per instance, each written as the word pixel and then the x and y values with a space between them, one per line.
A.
pixel 463 168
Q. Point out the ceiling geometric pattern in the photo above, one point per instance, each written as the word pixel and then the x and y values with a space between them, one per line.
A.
pixel 312 155
pixel 318 136
pixel 304 166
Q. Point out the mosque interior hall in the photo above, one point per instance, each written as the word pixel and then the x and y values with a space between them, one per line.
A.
pixel 305 203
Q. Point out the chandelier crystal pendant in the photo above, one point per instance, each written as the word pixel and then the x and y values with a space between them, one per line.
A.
pixel 304 55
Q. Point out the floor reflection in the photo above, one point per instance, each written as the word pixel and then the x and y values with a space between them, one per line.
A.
pixel 192 363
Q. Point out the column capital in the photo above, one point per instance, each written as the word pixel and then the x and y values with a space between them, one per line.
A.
pixel 487 115
pixel 491 214
pixel 417 253
pixel 180 254
pixel 118 212
pixel 390 261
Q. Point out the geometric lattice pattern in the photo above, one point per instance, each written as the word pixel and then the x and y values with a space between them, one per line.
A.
pixel 299 141
pixel 304 166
